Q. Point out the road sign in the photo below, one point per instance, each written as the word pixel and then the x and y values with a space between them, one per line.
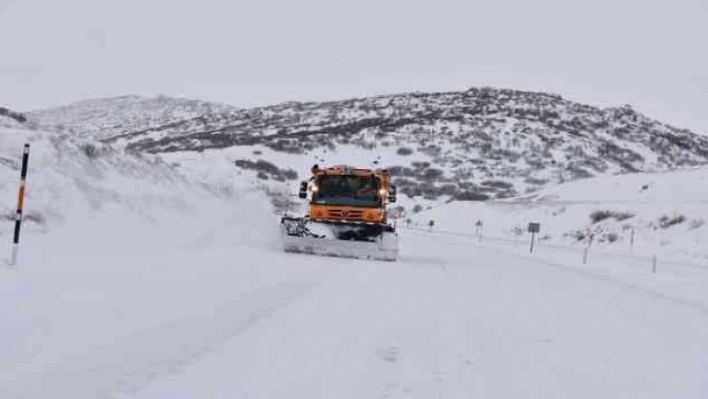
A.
pixel 533 229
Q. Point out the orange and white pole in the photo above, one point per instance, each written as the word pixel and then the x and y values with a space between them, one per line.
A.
pixel 20 205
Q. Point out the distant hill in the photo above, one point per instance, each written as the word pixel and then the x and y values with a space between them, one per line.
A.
pixel 478 144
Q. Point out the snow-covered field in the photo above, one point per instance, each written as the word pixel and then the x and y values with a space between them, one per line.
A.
pixel 141 282
pixel 646 214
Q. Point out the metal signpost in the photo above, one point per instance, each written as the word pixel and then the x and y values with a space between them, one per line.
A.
pixel 533 229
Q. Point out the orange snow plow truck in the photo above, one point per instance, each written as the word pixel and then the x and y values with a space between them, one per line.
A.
pixel 346 216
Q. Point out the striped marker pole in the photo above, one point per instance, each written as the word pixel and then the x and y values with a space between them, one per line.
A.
pixel 20 205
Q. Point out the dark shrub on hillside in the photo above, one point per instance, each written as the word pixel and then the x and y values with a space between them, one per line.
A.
pixel 91 151
pixel 535 181
pixel 668 221
pixel 285 145
pixel 471 196
pixel 620 216
pixel 432 174
pixel 266 170
pixel 289 174
pixel 599 216
pixel 498 184
pixel 400 171
pixel 577 234
pixel 404 151
pixel 12 114
pixel 580 173
pixel 448 189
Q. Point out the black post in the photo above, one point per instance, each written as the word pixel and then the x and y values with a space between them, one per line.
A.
pixel 20 204
pixel 533 229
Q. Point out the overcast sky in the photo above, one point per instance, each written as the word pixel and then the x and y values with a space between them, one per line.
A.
pixel 652 54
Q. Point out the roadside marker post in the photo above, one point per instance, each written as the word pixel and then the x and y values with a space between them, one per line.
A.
pixel 533 229
pixel 20 205
pixel 478 225
pixel 589 236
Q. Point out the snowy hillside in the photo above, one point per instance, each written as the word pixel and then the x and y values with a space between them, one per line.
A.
pixel 105 118
pixel 74 179
pixel 472 145
pixel 662 213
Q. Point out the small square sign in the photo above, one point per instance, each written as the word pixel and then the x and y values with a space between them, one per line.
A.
pixel 534 227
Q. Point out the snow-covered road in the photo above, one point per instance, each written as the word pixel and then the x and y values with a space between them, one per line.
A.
pixel 228 316
pixel 449 321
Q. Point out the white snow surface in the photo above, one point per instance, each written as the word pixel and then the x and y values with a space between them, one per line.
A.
pixel 105 117
pixel 647 203
pixel 8 123
pixel 142 282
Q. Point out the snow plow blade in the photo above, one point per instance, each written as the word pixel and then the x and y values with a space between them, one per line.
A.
pixel 298 238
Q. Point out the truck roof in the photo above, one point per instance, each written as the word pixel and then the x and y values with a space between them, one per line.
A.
pixel 348 170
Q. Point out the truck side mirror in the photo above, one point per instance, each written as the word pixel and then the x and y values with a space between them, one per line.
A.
pixel 303 190
pixel 392 194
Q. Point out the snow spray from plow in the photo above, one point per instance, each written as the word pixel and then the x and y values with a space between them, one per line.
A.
pixel 297 238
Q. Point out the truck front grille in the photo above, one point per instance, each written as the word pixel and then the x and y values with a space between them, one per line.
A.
pixel 345 214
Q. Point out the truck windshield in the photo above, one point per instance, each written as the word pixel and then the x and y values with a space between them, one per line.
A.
pixel 347 190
